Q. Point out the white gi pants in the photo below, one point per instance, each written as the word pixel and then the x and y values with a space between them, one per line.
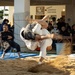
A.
pixel 44 44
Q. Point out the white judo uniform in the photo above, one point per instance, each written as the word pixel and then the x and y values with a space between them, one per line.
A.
pixel 32 45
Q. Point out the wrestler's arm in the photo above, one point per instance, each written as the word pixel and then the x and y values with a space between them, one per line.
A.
pixel 48 36
pixel 45 18
pixel 42 22
pixel 42 37
pixel 52 36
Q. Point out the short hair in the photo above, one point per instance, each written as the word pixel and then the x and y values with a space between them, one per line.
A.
pixel 5 20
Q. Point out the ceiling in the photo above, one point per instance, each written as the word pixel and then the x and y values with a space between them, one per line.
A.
pixel 37 2
pixel 50 2
pixel 6 2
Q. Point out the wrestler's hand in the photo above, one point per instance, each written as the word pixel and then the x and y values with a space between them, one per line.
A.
pixel 45 18
pixel 37 38
pixel 50 36
pixel 9 37
pixel 58 37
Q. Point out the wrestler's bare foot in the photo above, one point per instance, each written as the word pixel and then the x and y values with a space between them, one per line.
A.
pixel 41 60
pixel 2 57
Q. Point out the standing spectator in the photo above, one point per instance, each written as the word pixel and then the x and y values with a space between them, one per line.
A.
pixel 5 21
pixel 50 27
pixel 53 21
pixel 56 31
pixel 61 23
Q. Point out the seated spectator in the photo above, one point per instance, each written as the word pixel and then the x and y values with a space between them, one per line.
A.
pixel 68 27
pixel 64 31
pixel 0 27
pixel 73 34
pixel 73 30
pixel 8 37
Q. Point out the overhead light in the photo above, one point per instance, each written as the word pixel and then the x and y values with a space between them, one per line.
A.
pixel 63 9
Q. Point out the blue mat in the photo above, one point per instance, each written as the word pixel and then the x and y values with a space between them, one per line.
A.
pixel 12 56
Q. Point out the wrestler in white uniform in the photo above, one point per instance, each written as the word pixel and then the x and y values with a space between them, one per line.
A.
pixel 32 45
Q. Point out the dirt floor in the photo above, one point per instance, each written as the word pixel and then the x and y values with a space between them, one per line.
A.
pixel 61 65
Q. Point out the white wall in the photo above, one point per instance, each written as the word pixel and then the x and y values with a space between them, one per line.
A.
pixel 11 11
pixel 33 11
pixel 57 8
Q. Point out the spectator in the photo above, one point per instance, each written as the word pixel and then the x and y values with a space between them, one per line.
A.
pixel 50 27
pixel 68 27
pixel 8 37
pixel 73 34
pixel 73 30
pixel 61 23
pixel 64 32
pixel 56 31
pixel 5 21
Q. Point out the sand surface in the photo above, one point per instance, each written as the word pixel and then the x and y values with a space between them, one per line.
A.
pixel 61 65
